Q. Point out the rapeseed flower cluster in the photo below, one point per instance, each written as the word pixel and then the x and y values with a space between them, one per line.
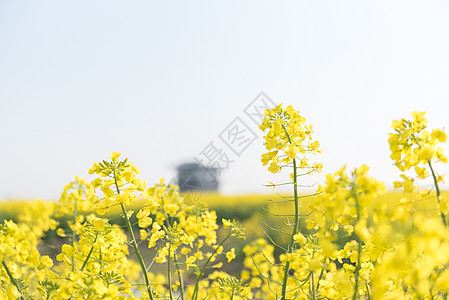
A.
pixel 287 138
pixel 22 265
pixel 412 145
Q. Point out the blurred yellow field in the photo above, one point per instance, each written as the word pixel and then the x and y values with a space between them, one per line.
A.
pixel 245 206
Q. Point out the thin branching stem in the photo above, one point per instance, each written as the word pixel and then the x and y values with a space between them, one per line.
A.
pixel 368 294
pixel 278 215
pixel 274 243
pixel 262 275
pixel 275 229
pixel 88 255
pixel 295 227
pixel 319 278
pixel 281 201
pixel 359 250
pixel 181 281
pixel 169 273
pixel 195 292
pixel 12 279
pixel 75 215
pixel 134 244
pixel 312 285
pixel 277 184
pixel 175 258
pixel 435 180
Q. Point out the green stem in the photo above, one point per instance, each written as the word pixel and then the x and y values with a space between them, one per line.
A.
pixel 181 281
pixel 169 273
pixel 443 217
pixel 368 294
pixel 137 252
pixel 101 262
pixel 178 271
pixel 312 278
pixel 75 215
pixel 435 180
pixel 357 272
pixel 88 255
pixel 320 277
pixel 359 250
pixel 12 279
pixel 134 244
pixel 195 292
pixel 295 228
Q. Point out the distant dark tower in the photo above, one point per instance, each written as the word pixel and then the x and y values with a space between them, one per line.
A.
pixel 194 176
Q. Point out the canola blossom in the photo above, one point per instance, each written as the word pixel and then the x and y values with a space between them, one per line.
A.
pixel 348 243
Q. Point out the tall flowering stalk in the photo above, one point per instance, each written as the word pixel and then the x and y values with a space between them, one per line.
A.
pixel 287 141
pixel 413 146
pixel 73 202
pixel 22 267
pixel 424 272
pixel 120 188
pixel 344 212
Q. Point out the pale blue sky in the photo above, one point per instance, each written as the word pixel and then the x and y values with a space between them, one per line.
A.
pixel 159 80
